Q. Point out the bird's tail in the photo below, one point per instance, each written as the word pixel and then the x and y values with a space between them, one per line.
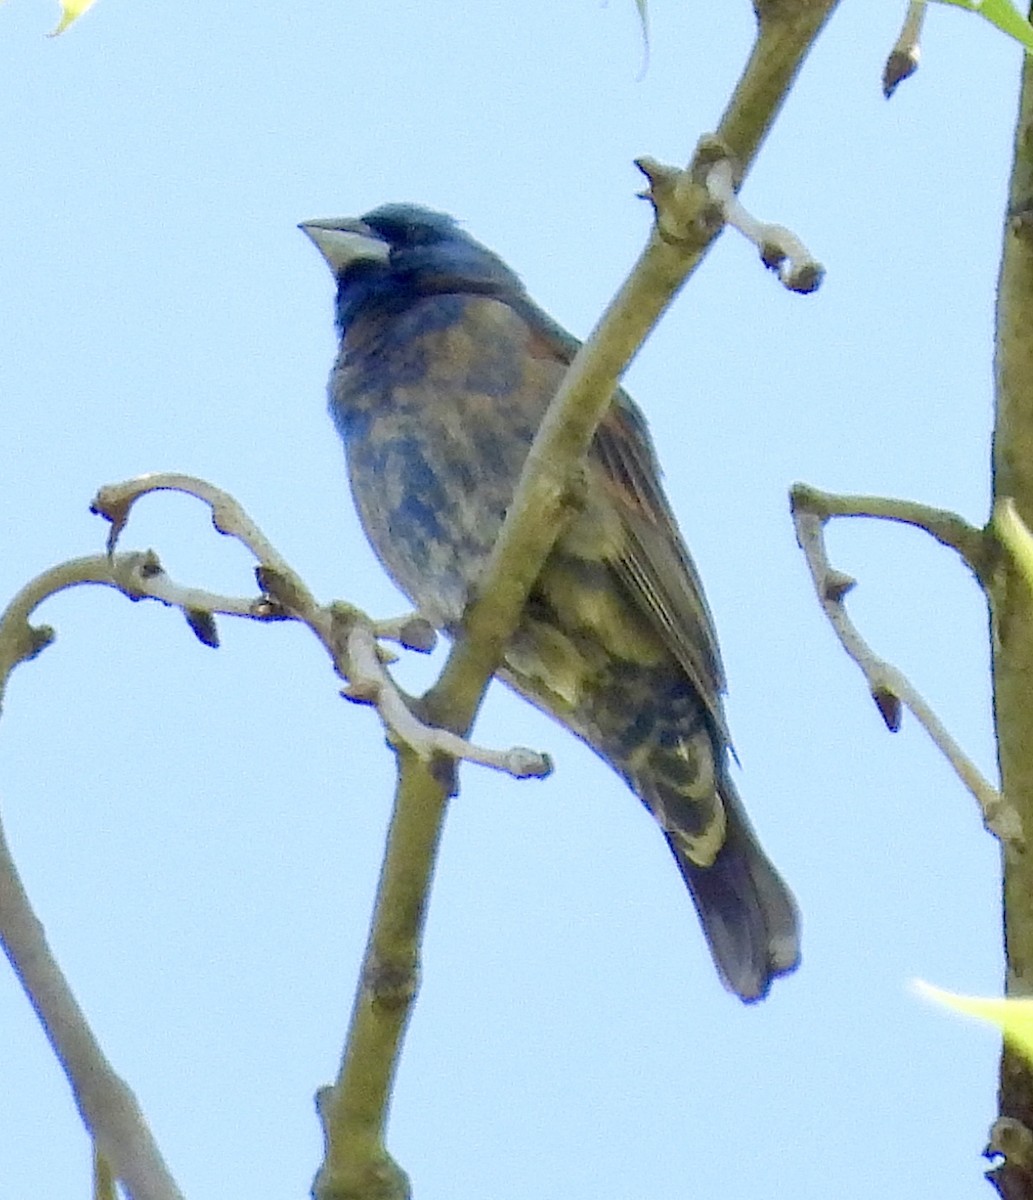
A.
pixel 748 914
pixel 652 726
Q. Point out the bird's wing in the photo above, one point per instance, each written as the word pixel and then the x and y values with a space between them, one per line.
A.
pixel 651 559
pixel 653 562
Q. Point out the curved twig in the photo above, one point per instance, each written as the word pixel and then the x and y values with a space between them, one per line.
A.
pixel 890 688
pixel 122 1140
pixel 967 541
pixel 348 635
pixel 780 249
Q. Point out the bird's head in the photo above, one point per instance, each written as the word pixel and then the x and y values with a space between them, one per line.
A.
pixel 398 252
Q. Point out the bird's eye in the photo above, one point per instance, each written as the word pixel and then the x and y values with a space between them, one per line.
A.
pixel 420 235
pixel 402 233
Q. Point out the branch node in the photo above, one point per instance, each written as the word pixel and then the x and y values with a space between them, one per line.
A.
pixel 660 177
pixel 114 507
pixel 281 587
pixel 780 249
pixel 411 632
pixel 37 638
pixel 1011 1140
pixel 889 706
pixel 903 59
pixel 134 573
pixel 1020 222
pixel 202 624
pixel 836 585
pixel 523 763
pixel 682 211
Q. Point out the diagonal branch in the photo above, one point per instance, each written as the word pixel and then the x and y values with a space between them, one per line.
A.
pixel 890 688
pixel 682 234
pixel 108 1107
pixel 354 1110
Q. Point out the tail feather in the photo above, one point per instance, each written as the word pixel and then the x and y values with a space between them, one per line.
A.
pixel 651 725
pixel 748 914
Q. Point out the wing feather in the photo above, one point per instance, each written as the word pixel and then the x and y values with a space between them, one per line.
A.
pixel 651 559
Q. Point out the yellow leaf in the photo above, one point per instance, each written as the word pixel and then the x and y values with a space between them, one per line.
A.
pixel 1014 1018
pixel 70 11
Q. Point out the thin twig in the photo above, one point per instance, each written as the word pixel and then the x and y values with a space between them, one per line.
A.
pixel 371 684
pixel 108 1107
pixel 967 541
pixel 136 574
pixel 342 629
pixel 889 687
pixel 780 249
pixel 115 502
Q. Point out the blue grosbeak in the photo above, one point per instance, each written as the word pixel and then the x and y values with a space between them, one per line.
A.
pixel 445 370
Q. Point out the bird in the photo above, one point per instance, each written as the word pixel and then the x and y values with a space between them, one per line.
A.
pixel 444 371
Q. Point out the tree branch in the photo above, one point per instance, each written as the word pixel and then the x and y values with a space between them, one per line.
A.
pixel 123 1143
pixel 371 684
pixel 780 249
pixel 348 635
pixel 977 551
pixel 355 1109
pixel 108 1107
pixel 1012 622
pixel 889 687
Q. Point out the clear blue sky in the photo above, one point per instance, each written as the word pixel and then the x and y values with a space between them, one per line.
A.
pixel 201 831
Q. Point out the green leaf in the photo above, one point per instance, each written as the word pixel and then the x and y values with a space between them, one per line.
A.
pixel 1004 15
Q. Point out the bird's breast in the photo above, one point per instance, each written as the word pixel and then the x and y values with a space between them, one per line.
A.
pixel 438 406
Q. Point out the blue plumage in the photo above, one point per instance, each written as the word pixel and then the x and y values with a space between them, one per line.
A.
pixel 445 370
